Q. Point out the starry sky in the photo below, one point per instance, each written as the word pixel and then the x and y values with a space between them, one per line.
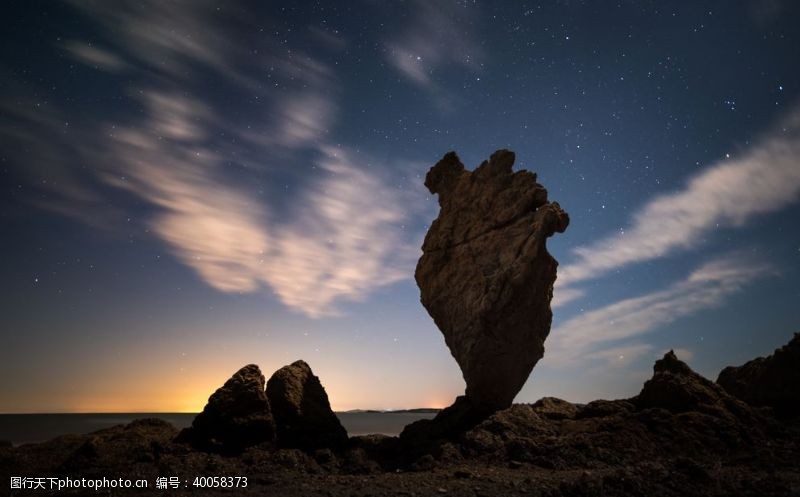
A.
pixel 188 187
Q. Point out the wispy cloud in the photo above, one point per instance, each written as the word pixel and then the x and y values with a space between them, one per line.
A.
pixel 94 56
pixel 591 332
pixel 306 119
pixel 346 241
pixel 343 240
pixel 620 356
pixel 170 37
pixel 336 237
pixel 183 41
pixel 763 179
pixel 437 36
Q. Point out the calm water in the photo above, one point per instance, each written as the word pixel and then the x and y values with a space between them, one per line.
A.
pixel 25 428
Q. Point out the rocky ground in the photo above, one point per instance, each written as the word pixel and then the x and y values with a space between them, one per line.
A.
pixel 681 435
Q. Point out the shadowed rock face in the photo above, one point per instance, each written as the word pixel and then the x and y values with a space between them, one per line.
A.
pixel 303 415
pixel 772 381
pixel 485 275
pixel 237 414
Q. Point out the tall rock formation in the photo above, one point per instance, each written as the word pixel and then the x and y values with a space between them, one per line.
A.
pixel 485 275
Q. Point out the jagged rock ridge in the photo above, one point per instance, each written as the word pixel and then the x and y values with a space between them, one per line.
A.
pixel 772 381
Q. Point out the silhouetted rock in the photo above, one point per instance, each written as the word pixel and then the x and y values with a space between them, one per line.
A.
pixel 237 415
pixel 772 381
pixel 303 415
pixel 485 274
pixel 554 408
pixel 678 389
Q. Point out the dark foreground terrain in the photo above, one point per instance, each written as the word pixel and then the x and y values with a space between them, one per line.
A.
pixel 682 435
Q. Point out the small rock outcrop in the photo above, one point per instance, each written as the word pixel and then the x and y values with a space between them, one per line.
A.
pixel 772 381
pixel 302 412
pixel 678 389
pixel 485 275
pixel 237 415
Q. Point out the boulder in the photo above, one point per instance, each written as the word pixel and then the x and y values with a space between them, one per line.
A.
pixel 485 275
pixel 303 415
pixel 237 415
pixel 772 381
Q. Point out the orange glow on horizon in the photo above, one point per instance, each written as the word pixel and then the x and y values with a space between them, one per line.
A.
pixel 189 393
pixel 151 379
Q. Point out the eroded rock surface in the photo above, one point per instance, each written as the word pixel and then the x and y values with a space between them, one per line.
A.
pixel 772 381
pixel 237 415
pixel 302 412
pixel 485 275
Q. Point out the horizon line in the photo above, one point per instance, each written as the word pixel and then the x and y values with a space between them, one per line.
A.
pixel 43 413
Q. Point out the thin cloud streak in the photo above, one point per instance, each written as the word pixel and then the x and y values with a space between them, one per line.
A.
pixel 95 56
pixel 621 356
pixel 705 288
pixel 764 179
pixel 437 37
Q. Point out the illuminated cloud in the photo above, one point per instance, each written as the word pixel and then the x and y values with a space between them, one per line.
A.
pixel 339 235
pixel 589 333
pixel 96 57
pixel 564 295
pixel 306 119
pixel 763 179
pixel 341 240
pixel 345 241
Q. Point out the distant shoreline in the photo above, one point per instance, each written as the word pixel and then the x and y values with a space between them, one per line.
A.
pixel 418 410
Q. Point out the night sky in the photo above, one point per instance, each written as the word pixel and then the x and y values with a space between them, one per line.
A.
pixel 188 187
